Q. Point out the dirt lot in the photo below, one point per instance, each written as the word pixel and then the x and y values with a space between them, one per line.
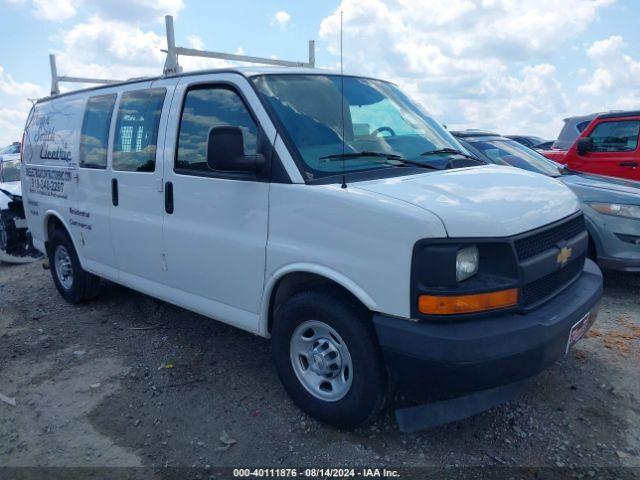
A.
pixel 129 380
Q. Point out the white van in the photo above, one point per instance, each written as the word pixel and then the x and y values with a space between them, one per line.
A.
pixel 324 211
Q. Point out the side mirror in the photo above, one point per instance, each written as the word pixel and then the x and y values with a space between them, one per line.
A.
pixel 585 144
pixel 225 151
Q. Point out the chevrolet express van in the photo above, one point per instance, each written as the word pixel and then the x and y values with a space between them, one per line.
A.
pixel 325 212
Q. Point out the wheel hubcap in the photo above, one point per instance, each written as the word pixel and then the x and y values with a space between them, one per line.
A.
pixel 64 268
pixel 321 360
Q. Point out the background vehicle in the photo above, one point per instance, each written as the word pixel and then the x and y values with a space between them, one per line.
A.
pixel 15 240
pixel 608 145
pixel 611 206
pixel 527 140
pixel 10 152
pixel 573 127
pixel 543 146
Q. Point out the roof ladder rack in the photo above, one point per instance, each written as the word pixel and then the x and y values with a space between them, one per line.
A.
pixel 172 67
pixel 56 79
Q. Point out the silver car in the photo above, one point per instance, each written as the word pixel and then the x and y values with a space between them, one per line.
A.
pixel 611 205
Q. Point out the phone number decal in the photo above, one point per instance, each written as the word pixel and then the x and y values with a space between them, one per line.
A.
pixel 48 182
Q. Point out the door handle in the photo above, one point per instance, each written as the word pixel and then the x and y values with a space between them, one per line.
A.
pixel 114 191
pixel 628 164
pixel 168 197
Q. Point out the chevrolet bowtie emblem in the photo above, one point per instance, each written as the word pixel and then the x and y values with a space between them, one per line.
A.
pixel 564 255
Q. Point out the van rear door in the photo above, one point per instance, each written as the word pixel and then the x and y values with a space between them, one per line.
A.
pixel 136 183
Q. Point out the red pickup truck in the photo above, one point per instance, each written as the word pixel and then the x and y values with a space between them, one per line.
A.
pixel 608 145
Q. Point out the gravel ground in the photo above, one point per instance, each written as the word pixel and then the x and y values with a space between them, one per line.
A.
pixel 127 380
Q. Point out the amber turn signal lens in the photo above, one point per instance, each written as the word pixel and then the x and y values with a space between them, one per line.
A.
pixel 452 304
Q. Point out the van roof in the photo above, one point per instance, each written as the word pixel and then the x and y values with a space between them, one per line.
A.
pixel 249 71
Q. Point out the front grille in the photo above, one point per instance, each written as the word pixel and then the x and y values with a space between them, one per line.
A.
pixel 532 245
pixel 544 287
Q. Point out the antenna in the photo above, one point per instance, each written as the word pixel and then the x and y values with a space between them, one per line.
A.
pixel 344 179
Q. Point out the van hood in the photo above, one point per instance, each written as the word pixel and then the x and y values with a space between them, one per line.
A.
pixel 486 201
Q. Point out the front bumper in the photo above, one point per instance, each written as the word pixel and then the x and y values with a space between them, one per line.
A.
pixel 454 358
pixel 616 242
pixel 620 264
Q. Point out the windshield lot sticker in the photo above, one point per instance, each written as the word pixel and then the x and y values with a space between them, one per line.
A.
pixel 48 182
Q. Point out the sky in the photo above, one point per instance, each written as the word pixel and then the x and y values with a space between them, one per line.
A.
pixel 511 66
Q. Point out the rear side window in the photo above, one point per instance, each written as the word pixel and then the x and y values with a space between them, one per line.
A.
pixel 94 137
pixel 582 125
pixel 616 136
pixel 136 135
pixel 205 108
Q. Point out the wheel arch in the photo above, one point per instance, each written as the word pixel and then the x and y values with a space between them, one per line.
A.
pixel 595 247
pixel 53 220
pixel 299 277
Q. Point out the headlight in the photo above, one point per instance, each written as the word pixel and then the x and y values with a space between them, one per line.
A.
pixel 617 209
pixel 467 262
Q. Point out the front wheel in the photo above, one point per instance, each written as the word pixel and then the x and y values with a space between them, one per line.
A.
pixel 73 283
pixel 328 359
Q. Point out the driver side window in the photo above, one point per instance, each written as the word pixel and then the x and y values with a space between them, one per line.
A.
pixel 206 107
pixel 616 136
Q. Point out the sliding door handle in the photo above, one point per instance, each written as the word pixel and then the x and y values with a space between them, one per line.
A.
pixel 628 164
pixel 114 191
pixel 168 197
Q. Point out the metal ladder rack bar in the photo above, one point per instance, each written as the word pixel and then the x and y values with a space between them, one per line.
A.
pixel 56 79
pixel 172 67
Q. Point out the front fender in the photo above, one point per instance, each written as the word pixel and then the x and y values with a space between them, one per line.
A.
pixel 46 218
pixel 594 233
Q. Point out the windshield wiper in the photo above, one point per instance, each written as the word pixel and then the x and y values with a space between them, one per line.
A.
pixel 451 151
pixel 384 156
pixel 340 156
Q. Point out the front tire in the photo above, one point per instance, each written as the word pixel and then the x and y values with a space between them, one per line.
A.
pixel 328 358
pixel 73 283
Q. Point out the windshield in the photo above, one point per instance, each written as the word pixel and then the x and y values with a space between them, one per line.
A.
pixel 377 118
pixel 510 152
pixel 13 148
pixel 10 171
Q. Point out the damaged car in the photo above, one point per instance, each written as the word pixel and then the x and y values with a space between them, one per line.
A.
pixel 15 239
